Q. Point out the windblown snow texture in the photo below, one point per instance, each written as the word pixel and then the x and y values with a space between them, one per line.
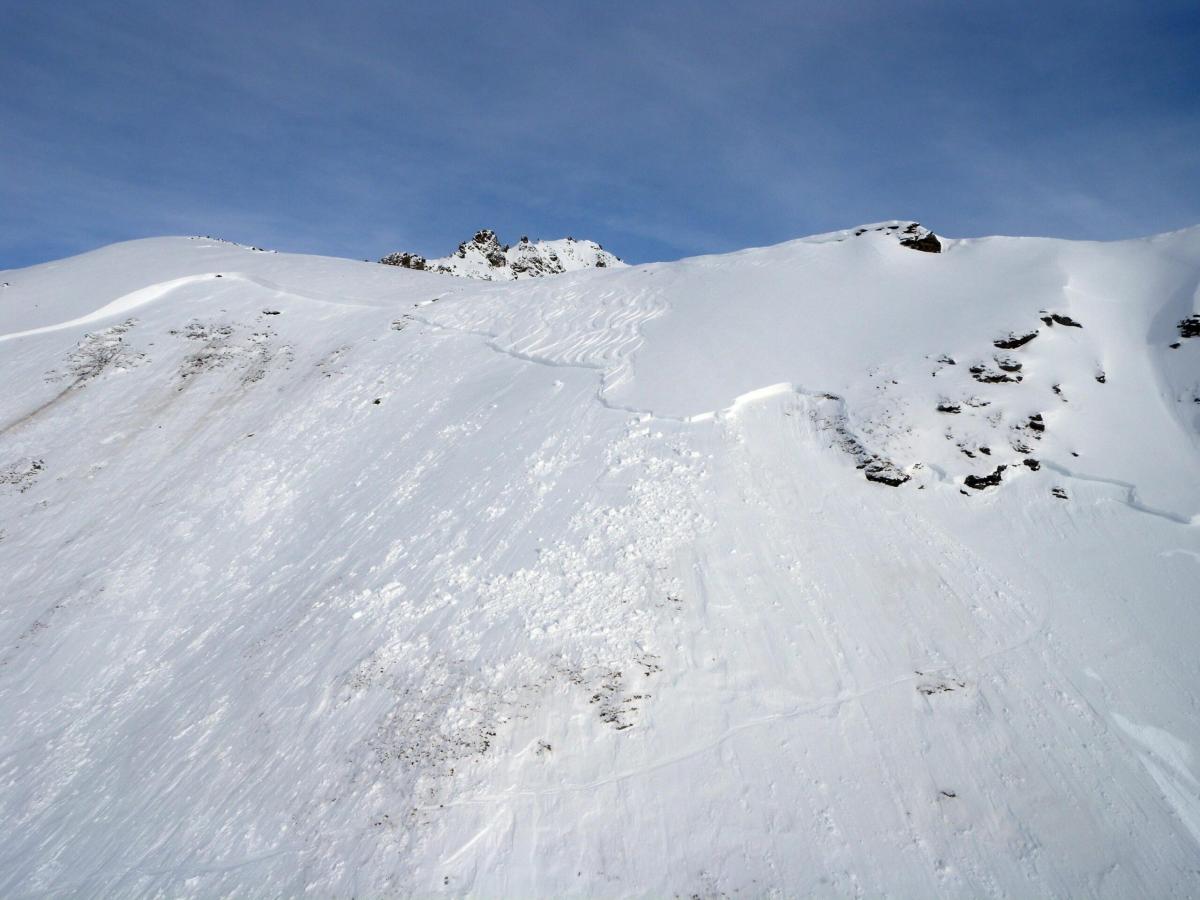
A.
pixel 854 565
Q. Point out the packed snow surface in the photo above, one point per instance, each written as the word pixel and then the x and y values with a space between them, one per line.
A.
pixel 830 568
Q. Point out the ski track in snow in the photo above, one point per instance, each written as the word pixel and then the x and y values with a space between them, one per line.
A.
pixel 122 305
pixel 155 292
pixel 1131 494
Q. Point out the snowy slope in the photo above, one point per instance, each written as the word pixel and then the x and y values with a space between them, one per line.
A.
pixel 325 576
pixel 485 258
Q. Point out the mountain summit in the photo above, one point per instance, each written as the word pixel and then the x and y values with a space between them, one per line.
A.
pixel 484 257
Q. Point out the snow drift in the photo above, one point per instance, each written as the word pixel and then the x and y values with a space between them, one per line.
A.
pixel 829 568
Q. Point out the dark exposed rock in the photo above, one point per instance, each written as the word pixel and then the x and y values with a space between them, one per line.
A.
pixel 1060 493
pixel 883 472
pixel 1032 463
pixel 948 408
pixel 873 466
pixel 404 260
pixel 1053 318
pixel 1013 341
pixel 1008 364
pixel 985 375
pixel 1101 377
pixel 1190 327
pixel 979 482
pixel 486 242
pixel 485 257
pixel 928 244
pixel 1035 423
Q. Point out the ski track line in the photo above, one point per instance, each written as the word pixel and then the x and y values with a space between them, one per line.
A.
pixel 282 291
pixel 1131 495
pixel 151 293
pixel 491 341
pixel 121 305
pixel 602 371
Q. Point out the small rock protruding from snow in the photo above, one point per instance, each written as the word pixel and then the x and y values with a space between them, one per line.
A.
pixel 987 375
pixel 484 257
pixel 1059 318
pixel 1013 341
pixel 979 482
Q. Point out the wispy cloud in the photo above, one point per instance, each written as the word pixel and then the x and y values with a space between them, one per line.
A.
pixel 660 129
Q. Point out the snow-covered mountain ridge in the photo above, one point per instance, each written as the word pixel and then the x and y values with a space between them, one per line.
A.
pixel 827 568
pixel 485 258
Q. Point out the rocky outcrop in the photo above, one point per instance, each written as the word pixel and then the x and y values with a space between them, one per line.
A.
pixel 404 260
pixel 979 482
pixel 485 257
pixel 1013 341
pixel 1052 318
pixel 927 242
pixel 986 375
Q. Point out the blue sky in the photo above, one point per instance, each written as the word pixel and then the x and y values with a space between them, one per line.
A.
pixel 660 129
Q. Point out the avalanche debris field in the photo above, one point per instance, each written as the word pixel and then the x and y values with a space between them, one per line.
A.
pixel 854 565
